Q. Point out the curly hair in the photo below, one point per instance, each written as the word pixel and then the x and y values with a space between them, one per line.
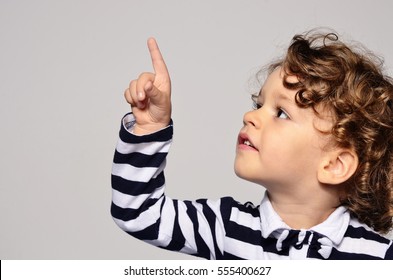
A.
pixel 349 82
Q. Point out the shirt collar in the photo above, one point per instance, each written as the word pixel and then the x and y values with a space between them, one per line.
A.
pixel 334 227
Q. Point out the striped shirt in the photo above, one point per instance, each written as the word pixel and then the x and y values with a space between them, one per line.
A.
pixel 223 228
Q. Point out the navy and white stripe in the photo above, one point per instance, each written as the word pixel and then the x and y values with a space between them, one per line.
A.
pixel 224 228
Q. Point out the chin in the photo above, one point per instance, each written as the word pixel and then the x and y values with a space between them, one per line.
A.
pixel 238 170
pixel 238 174
pixel 244 174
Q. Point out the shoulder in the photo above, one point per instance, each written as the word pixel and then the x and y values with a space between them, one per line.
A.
pixel 230 205
pixel 362 241
pixel 358 230
pixel 239 216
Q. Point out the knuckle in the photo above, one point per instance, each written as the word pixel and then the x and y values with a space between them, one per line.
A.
pixel 127 95
pixel 132 84
pixel 145 76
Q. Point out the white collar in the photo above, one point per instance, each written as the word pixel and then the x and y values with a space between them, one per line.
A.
pixel 334 227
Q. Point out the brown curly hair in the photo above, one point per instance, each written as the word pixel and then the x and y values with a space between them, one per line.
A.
pixel 350 83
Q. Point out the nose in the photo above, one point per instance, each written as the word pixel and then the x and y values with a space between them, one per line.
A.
pixel 251 118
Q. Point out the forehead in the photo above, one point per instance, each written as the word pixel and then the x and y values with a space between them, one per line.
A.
pixel 274 85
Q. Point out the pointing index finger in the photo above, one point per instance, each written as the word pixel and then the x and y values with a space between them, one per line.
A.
pixel 156 58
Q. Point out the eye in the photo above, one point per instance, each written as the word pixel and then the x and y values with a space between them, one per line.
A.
pixel 255 104
pixel 281 114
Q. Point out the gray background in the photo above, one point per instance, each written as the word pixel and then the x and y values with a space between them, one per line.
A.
pixel 63 68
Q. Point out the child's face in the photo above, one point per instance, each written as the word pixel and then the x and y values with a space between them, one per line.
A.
pixel 279 144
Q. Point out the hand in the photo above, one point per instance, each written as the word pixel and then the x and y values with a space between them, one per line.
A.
pixel 150 95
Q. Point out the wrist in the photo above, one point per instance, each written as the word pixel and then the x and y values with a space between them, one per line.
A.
pixel 146 129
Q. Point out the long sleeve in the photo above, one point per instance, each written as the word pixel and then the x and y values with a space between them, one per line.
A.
pixel 141 208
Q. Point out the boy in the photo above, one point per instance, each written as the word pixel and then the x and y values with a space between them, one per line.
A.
pixel 318 140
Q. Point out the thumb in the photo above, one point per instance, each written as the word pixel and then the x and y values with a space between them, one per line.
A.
pixel 158 103
pixel 153 93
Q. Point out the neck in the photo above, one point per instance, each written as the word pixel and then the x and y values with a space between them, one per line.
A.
pixel 304 211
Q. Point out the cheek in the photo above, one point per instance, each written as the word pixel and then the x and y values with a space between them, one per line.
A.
pixel 292 150
pixel 305 153
pixel 277 146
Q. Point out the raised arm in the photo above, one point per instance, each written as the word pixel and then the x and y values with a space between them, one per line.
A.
pixel 139 204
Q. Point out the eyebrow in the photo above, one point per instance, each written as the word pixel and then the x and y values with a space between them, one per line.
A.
pixel 277 94
pixel 284 97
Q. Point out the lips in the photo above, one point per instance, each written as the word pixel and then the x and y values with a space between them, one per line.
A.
pixel 245 143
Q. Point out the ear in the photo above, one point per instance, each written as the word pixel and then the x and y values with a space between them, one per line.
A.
pixel 337 166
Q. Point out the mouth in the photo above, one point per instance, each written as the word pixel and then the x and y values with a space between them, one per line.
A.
pixel 245 143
